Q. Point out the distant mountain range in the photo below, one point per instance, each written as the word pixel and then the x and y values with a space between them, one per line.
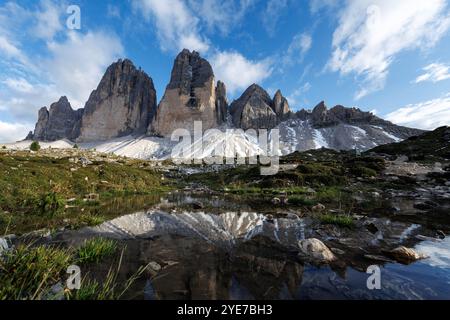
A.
pixel 123 112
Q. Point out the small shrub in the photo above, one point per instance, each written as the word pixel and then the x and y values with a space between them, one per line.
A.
pixel 75 146
pixel 35 146
pixel 3 147
pixel 96 249
pixel 51 202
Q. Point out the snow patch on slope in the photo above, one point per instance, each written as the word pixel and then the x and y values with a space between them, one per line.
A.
pixel 319 139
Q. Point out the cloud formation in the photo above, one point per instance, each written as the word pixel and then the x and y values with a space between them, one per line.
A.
pixel 73 65
pixel 176 26
pixel 237 72
pixel 11 132
pixel 371 33
pixel 426 115
pixel 434 72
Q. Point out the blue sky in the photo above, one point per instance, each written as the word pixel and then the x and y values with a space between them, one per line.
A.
pixel 389 57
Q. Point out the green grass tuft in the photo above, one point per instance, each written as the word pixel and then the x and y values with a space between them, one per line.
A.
pixel 94 250
pixel 300 201
pixel 338 220
pixel 26 272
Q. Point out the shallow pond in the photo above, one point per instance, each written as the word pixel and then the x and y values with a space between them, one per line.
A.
pixel 208 247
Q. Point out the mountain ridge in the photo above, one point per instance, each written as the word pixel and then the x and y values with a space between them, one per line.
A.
pixel 124 105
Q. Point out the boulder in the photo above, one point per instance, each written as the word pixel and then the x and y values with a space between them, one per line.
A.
pixel 316 251
pixel 123 104
pixel 190 96
pixel 405 255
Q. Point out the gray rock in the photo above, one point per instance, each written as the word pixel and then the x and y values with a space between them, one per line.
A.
pixel 281 106
pixel 322 117
pixel 221 102
pixel 124 103
pixel 254 110
pixel 405 255
pixel 190 96
pixel 316 251
pixel 56 123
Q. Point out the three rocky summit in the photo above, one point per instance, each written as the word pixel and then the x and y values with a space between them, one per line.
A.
pixel 125 104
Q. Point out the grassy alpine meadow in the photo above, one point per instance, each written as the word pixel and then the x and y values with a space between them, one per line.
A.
pixel 49 189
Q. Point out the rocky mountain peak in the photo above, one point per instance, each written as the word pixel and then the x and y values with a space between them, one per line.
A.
pixel 57 122
pixel 189 72
pixel 190 96
pixel 256 109
pixel 281 106
pixel 123 103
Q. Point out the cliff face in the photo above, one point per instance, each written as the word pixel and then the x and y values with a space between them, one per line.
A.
pixel 255 109
pixel 57 123
pixel 221 102
pixel 123 103
pixel 190 96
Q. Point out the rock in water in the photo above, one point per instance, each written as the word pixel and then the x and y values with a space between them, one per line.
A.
pixel 316 251
pixel 190 96
pixel 256 110
pixel 405 255
pixel 57 123
pixel 124 103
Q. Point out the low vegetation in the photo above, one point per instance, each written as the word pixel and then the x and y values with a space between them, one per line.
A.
pixel 35 146
pixel 429 147
pixel 318 176
pixel 338 220
pixel 36 187
pixel 28 272
pixel 96 249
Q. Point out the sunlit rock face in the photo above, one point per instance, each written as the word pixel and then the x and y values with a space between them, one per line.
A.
pixel 256 110
pixel 58 122
pixel 123 103
pixel 190 96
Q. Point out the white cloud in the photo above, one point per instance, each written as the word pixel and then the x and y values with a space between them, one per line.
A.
pixel 434 72
pixel 9 49
pixel 426 115
pixel 237 72
pixel 89 56
pixel 299 46
pixel 74 68
pixel 371 33
pixel 19 85
pixel 11 132
pixel 220 15
pixel 271 15
pixel 48 20
pixel 176 26
pixel 317 5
